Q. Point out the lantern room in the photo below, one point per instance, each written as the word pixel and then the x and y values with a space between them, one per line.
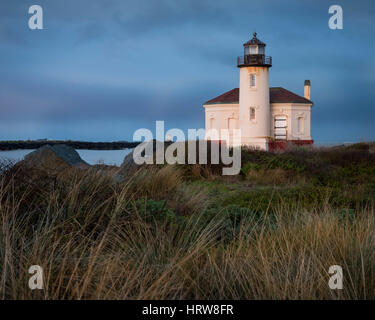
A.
pixel 254 46
pixel 254 54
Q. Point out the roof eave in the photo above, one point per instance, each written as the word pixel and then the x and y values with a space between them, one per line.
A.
pixel 213 103
pixel 296 102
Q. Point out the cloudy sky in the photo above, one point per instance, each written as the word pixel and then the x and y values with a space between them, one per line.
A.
pixel 102 69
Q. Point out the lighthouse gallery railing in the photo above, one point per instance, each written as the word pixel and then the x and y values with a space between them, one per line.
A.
pixel 254 60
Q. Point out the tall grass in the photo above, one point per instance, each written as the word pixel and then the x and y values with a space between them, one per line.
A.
pixel 94 241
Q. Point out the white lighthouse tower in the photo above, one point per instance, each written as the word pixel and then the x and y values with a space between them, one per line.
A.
pixel 254 94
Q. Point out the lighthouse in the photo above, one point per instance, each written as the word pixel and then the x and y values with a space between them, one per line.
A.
pixel 269 118
pixel 254 97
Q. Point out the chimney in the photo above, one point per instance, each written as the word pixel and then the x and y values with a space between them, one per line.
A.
pixel 307 93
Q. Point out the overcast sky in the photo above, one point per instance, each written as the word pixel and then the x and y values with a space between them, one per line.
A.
pixel 102 69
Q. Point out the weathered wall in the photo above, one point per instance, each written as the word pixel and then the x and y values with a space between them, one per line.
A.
pixel 292 112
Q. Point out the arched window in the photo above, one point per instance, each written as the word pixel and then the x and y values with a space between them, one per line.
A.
pixel 232 123
pixel 212 123
pixel 300 125
pixel 252 80
pixel 252 113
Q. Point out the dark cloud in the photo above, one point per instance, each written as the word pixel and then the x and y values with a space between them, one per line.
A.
pixel 123 63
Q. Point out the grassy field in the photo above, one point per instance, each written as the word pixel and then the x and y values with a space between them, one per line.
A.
pixel 186 232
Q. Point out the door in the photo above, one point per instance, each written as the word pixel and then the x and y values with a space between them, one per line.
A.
pixel 280 127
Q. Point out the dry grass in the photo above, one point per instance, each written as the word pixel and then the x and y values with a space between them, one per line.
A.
pixel 86 232
pixel 275 177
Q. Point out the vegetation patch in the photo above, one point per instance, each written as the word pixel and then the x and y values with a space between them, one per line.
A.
pixel 174 232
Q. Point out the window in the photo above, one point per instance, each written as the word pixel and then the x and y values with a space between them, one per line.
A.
pixel 253 49
pixel 212 123
pixel 280 127
pixel 252 80
pixel 252 114
pixel 300 125
pixel 231 123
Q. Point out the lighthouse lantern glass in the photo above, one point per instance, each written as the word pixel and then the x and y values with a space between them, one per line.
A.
pixel 253 49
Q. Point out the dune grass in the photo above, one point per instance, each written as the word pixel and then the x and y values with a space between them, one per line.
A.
pixel 160 234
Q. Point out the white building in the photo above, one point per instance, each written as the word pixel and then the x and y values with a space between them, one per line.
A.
pixel 267 117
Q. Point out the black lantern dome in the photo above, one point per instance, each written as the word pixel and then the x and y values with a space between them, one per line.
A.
pixel 254 40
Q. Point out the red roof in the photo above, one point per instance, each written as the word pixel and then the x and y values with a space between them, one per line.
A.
pixel 232 96
pixel 277 95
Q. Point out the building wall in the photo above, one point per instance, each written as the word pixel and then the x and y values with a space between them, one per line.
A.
pixel 222 116
pixel 225 116
pixel 294 113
